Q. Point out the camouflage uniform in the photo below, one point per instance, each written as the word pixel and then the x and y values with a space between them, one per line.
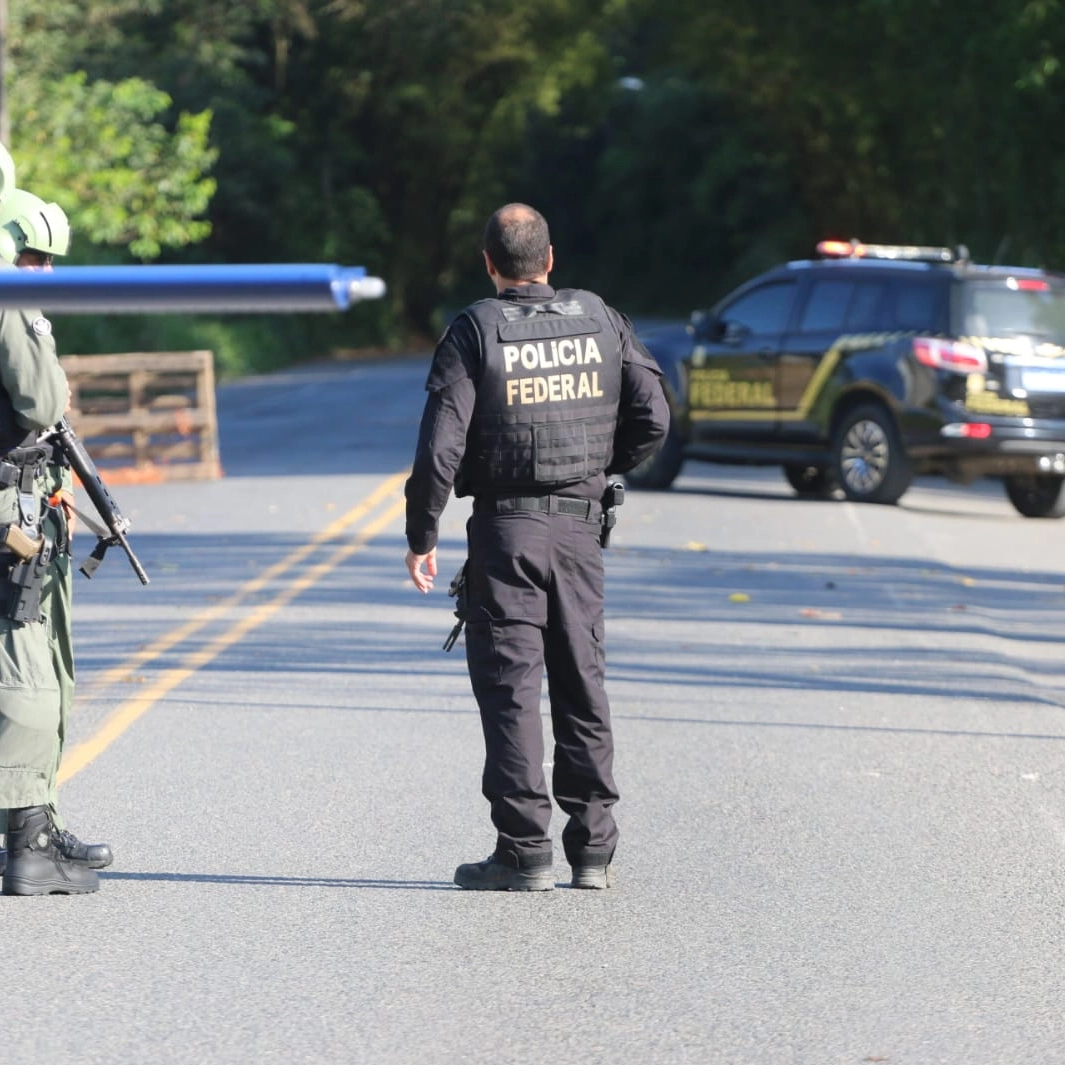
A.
pixel 33 698
pixel 57 615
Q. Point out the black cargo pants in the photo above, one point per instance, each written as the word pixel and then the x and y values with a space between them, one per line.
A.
pixel 535 602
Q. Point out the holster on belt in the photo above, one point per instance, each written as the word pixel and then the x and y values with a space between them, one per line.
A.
pixel 26 581
pixel 614 497
pixel 16 540
pixel 23 545
pixel 458 592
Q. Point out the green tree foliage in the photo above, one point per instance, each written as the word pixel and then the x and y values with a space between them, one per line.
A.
pixel 413 124
pixel 930 120
pixel 676 146
pixel 129 174
pixel 226 58
pixel 662 199
pixel 123 179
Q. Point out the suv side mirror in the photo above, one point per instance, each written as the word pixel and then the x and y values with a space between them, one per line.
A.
pixel 733 332
pixel 705 325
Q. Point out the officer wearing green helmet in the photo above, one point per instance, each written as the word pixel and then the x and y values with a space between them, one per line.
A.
pixel 34 231
pixel 36 513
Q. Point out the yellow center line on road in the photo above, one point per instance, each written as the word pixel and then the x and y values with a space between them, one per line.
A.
pixel 80 755
pixel 205 617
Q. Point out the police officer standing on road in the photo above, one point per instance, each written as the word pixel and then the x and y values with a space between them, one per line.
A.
pixel 36 501
pixel 535 397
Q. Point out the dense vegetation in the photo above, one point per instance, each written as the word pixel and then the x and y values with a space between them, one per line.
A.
pixel 674 145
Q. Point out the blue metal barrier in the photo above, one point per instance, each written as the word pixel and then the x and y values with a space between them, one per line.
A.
pixel 244 289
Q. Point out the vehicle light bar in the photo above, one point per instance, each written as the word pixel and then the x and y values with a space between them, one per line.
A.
pixel 215 289
pixel 953 355
pixel 969 430
pixel 855 249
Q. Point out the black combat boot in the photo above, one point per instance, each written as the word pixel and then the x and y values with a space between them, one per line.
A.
pixel 592 869
pixel 34 864
pixel 505 872
pixel 94 855
pixel 593 876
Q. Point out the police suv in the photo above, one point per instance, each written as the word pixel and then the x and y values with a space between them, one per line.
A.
pixel 861 369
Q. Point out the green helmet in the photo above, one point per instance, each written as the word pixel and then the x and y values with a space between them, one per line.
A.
pixel 32 225
pixel 7 173
pixel 8 251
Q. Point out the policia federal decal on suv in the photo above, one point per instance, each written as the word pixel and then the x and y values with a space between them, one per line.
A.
pixel 714 394
pixel 710 390
pixel 858 370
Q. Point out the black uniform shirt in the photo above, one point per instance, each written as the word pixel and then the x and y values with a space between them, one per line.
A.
pixel 643 416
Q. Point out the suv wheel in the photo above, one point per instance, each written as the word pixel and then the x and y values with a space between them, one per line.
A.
pixel 661 470
pixel 1035 496
pixel 811 481
pixel 868 458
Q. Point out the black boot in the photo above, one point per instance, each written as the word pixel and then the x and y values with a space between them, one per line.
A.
pixel 34 864
pixel 592 869
pixel 94 855
pixel 505 872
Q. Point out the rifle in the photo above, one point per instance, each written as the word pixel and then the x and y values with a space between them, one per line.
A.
pixel 63 437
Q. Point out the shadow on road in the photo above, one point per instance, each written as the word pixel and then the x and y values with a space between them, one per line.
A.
pixel 819 726
pixel 940 497
pixel 754 619
pixel 282 881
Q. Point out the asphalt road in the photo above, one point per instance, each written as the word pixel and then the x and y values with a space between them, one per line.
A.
pixel 840 745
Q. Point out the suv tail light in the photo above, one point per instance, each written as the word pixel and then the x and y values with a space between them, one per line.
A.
pixel 967 430
pixel 953 355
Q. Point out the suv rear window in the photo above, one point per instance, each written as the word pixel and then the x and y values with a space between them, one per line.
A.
pixel 763 310
pixel 920 307
pixel 1015 307
pixel 837 305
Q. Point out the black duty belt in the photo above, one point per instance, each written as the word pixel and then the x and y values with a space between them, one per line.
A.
pixel 14 461
pixel 581 508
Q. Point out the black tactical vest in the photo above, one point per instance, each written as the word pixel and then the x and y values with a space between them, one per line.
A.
pixel 548 395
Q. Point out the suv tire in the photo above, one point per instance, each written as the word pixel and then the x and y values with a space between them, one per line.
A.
pixel 661 470
pixel 868 458
pixel 811 482
pixel 1037 496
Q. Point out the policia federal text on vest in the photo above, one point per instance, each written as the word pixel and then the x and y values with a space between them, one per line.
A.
pixel 545 410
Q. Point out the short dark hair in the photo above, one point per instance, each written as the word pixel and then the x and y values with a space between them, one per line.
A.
pixel 518 242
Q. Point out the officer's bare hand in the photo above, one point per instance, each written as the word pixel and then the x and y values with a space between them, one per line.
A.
pixel 423 581
pixel 64 498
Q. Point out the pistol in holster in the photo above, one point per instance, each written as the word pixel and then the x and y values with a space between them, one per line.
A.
pixel 26 581
pixel 457 591
pixel 612 499
pixel 19 542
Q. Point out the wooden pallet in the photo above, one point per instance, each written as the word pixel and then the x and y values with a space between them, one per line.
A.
pixel 146 416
